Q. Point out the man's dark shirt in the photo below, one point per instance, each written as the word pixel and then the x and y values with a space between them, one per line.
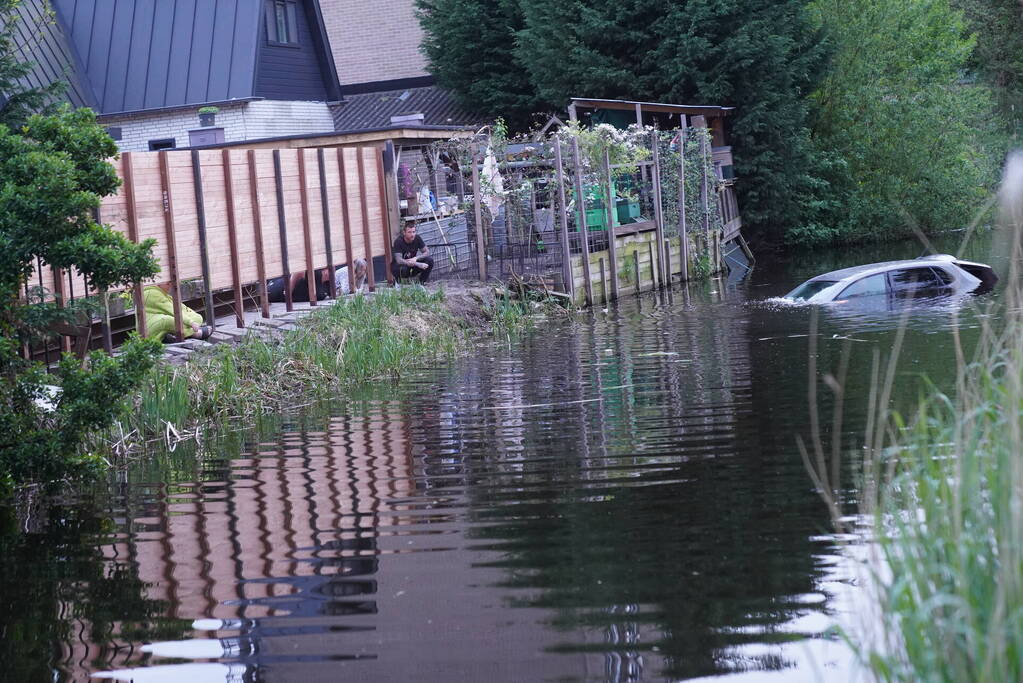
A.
pixel 407 250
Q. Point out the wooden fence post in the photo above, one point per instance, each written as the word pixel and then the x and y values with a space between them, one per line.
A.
pixel 307 238
pixel 385 209
pixel 364 204
pixel 580 203
pixel 328 245
pixel 346 219
pixel 658 206
pixel 612 245
pixel 172 249
pixel 282 230
pixel 204 254
pixel 257 229
pixel 566 252
pixel 481 251
pixel 667 261
pixel 131 209
pixel 232 238
pixel 683 229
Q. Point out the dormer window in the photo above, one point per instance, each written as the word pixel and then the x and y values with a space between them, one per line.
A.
pixel 281 22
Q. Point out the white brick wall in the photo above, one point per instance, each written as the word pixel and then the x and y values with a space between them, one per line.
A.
pixel 243 121
pixel 374 40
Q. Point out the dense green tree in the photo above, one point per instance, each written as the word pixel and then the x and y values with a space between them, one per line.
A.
pixel 470 47
pixel 998 55
pixel 53 171
pixel 508 58
pixel 903 130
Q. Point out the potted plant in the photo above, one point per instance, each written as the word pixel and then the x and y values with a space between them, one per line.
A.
pixel 208 116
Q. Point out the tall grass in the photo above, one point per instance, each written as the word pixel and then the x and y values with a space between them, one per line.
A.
pixel 943 493
pixel 358 340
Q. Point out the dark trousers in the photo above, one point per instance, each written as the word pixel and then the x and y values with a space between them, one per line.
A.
pixel 408 272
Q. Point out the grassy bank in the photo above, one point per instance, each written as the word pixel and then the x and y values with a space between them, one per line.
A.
pixel 360 339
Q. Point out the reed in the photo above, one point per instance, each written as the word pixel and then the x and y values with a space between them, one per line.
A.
pixel 942 495
pixel 359 340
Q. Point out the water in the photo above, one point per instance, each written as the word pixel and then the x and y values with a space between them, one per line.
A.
pixel 616 499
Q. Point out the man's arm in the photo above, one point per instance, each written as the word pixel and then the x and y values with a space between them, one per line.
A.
pixel 405 261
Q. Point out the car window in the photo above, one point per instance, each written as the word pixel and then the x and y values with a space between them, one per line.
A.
pixel 913 281
pixel 945 277
pixel 808 289
pixel 868 286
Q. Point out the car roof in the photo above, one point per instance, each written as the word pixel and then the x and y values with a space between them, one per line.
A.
pixel 884 266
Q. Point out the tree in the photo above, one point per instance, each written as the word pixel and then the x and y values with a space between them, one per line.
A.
pixel 998 55
pixel 53 172
pixel 470 47
pixel 902 129
pixel 759 56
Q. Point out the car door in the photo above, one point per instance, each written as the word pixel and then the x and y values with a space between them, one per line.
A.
pixel 916 282
pixel 869 286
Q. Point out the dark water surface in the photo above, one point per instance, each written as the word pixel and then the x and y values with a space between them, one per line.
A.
pixel 616 498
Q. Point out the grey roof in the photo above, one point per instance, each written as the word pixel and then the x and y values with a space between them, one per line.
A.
pixel 149 54
pixel 374 110
pixel 41 41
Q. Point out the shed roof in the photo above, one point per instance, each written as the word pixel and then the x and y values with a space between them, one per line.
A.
pixel 147 54
pixel 660 107
pixel 374 110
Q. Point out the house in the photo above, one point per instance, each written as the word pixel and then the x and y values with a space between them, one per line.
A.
pixel 148 67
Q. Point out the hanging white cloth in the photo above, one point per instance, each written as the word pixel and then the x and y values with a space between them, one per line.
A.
pixel 492 186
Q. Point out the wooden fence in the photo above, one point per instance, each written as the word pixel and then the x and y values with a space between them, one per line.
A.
pixel 233 218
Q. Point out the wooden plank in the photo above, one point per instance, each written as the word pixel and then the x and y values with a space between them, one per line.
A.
pixel 635 263
pixel 131 209
pixel 307 238
pixel 257 233
pixel 683 229
pixel 346 222
pixel 232 236
pixel 581 222
pixel 481 252
pixel 612 242
pixel 282 229
pixel 566 252
pixel 365 220
pixel 204 254
pixel 658 199
pixel 603 282
pixel 172 251
pixel 385 215
pixel 393 210
pixel 656 274
pixel 325 210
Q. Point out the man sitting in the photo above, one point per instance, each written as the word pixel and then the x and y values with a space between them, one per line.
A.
pixel 411 255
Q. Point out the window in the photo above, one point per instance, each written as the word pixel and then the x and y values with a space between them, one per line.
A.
pixel 281 22
pixel 868 286
pixel 809 289
pixel 942 275
pixel 164 143
pixel 911 282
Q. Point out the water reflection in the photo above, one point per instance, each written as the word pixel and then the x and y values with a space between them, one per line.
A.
pixel 620 499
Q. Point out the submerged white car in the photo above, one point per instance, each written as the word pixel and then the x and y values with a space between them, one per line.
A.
pixel 927 276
